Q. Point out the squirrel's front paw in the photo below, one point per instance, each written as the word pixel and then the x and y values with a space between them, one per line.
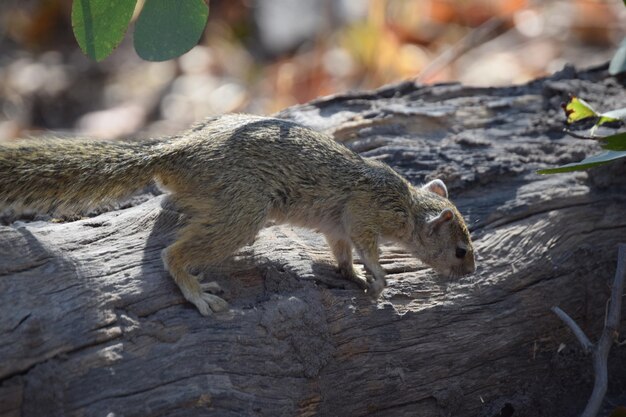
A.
pixel 376 288
pixel 351 275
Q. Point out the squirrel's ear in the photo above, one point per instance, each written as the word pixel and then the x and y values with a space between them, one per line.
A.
pixel 437 187
pixel 445 216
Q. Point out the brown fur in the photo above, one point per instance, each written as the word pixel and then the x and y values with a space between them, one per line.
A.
pixel 231 175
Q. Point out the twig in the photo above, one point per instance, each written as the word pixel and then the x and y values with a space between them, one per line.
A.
pixel 600 351
pixel 581 136
pixel 575 328
pixel 474 38
pixel 609 334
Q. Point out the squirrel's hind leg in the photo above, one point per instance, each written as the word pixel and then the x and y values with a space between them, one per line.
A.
pixel 202 242
pixel 176 264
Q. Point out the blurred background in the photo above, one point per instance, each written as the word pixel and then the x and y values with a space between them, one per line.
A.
pixel 261 56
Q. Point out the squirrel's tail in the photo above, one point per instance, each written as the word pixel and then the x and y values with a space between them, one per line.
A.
pixel 72 175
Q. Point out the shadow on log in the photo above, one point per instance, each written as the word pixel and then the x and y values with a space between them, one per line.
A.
pixel 90 323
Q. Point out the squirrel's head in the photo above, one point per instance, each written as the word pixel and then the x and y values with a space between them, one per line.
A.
pixel 440 237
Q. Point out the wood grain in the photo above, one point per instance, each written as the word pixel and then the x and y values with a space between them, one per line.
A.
pixel 91 325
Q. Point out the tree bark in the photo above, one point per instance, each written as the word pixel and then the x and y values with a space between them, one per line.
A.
pixel 92 325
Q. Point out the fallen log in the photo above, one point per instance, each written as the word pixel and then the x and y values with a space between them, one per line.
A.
pixel 90 323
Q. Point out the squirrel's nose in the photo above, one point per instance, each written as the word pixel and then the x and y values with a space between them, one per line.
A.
pixel 470 266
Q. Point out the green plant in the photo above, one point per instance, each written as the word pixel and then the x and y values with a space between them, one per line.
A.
pixel 614 145
pixel 164 29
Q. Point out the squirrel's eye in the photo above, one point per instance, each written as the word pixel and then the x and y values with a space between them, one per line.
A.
pixel 460 252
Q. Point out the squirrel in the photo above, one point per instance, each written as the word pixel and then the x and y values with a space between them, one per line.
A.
pixel 230 175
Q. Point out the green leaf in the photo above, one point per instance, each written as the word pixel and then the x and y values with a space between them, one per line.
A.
pixel 592 161
pixel 99 25
pixel 166 29
pixel 614 115
pixel 578 109
pixel 618 63
pixel 615 142
pixel 608 117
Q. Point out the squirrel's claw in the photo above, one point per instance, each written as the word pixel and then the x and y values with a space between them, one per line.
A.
pixel 208 303
pixel 376 288
pixel 211 287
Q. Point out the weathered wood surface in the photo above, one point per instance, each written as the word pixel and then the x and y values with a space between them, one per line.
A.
pixel 91 325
